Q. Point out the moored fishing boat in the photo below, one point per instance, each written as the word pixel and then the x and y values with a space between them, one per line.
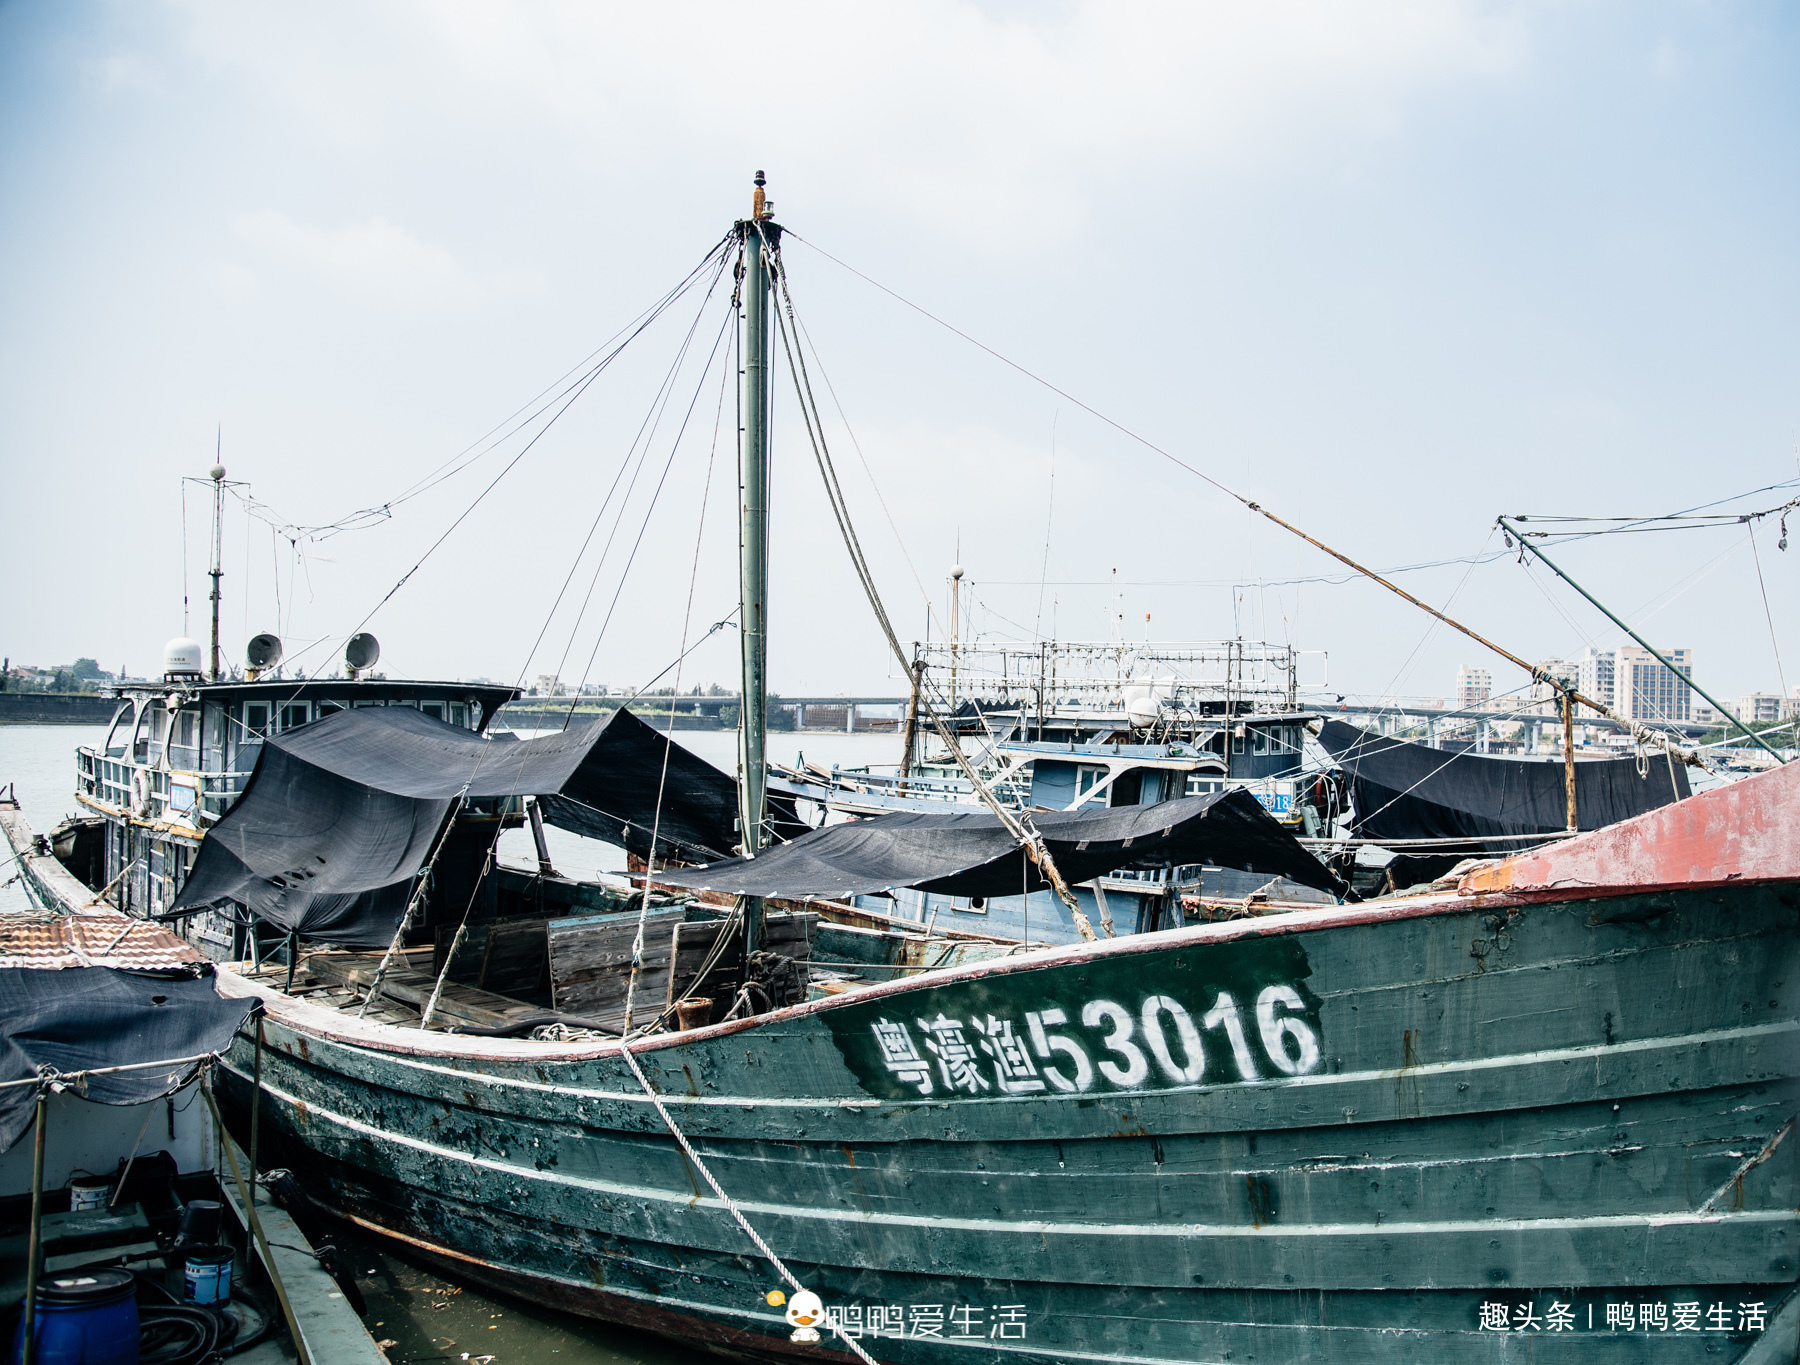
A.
pixel 1561 1091
pixel 1550 1102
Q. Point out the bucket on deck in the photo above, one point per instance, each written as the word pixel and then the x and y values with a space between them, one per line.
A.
pixel 207 1271
pixel 89 1316
pixel 199 1223
pixel 89 1192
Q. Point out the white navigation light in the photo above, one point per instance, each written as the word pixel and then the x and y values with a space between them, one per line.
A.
pixel 363 651
pixel 181 658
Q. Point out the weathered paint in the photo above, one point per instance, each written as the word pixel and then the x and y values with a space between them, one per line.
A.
pixel 1744 832
pixel 1511 1102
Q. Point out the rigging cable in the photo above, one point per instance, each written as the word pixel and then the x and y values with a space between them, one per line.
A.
pixel 644 526
pixel 1037 629
pixel 423 876
pixel 662 777
pixel 1018 824
pixel 1774 644
pixel 491 855
pixel 1686 755
pixel 856 445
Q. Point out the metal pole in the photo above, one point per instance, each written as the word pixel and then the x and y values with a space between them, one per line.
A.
pixel 757 234
pixel 1569 755
pixel 545 869
pixel 956 573
pixel 912 718
pixel 256 1099
pixel 1524 543
pixel 248 1195
pixel 34 1248
pixel 218 563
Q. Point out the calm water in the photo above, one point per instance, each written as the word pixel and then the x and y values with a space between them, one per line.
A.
pixel 39 762
pixel 425 1316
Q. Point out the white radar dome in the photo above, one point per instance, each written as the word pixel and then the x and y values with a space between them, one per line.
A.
pixel 181 658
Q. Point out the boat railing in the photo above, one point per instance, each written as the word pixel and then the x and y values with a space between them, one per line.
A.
pixel 1012 785
pixel 172 793
pixel 1184 875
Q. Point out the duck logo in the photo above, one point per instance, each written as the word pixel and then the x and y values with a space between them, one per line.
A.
pixel 804 1314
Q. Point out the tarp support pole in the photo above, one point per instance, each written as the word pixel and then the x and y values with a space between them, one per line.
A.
pixel 1568 710
pixel 545 869
pixel 256 1098
pixel 249 1197
pixel 912 719
pixel 35 1245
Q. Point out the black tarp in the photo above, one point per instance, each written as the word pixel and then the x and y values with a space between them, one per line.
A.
pixel 339 816
pixel 86 1017
pixel 972 854
pixel 1403 790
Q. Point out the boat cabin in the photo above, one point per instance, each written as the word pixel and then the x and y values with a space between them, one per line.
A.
pixel 178 753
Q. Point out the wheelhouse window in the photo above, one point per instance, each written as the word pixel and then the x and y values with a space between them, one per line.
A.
pixel 329 708
pixel 294 714
pixel 434 709
pixel 459 714
pixel 256 721
pixel 1200 786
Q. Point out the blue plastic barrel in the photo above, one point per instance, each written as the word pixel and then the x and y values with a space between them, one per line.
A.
pixel 84 1317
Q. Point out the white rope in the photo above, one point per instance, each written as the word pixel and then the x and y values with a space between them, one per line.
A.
pixel 725 1199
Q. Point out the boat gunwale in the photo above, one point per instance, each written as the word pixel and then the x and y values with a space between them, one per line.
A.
pixel 330 1024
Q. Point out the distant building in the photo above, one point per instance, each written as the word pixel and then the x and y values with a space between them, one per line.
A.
pixel 1473 688
pixel 1705 715
pixel 1594 678
pixel 548 685
pixel 1645 690
pixel 1754 707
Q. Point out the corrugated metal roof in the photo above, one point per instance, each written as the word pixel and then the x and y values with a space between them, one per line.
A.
pixel 99 938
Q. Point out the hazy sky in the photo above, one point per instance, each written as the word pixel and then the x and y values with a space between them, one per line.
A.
pixel 1390 269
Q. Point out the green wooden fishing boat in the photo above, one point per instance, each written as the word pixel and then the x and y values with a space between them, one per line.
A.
pixel 1545 1116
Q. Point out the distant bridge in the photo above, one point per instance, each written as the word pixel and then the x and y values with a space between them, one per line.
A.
pixel 1389 720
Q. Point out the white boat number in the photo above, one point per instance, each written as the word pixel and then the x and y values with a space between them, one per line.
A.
pixel 1125 1045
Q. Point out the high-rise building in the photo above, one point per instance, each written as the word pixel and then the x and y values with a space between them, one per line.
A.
pixel 1473 687
pixel 1594 677
pixel 1645 690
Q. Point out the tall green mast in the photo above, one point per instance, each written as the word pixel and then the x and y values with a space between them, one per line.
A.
pixel 759 234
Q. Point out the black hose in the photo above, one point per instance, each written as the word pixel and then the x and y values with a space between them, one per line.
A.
pixel 171 1332
pixel 254 1321
pixel 182 1333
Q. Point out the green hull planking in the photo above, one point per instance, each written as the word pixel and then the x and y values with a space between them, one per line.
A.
pixel 1325 1136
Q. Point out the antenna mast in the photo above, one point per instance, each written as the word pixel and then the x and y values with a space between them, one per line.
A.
pixel 761 239
pixel 218 554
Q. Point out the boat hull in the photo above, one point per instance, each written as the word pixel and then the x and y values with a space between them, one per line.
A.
pixel 1452 1104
